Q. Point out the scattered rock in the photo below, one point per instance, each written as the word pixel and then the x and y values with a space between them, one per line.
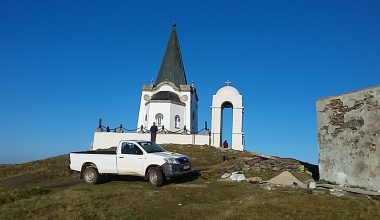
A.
pixel 268 187
pixel 260 163
pixel 231 167
pixel 256 169
pixel 226 175
pixel 252 161
pixel 237 176
pixel 254 180
pixel 301 168
pixel 337 193
pixel 312 185
pixel 286 179
pixel 234 176
pixel 263 167
pixel 246 168
pixel 348 189
pixel 228 158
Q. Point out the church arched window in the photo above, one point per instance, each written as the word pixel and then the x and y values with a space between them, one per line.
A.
pixel 177 120
pixel 146 117
pixel 159 118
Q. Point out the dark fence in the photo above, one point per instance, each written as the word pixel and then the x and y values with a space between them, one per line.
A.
pixel 161 130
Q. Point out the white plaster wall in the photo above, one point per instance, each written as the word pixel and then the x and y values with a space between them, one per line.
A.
pixel 176 110
pixel 155 108
pixel 216 113
pixel 142 110
pixel 147 111
pixel 237 124
pixel 111 139
pixel 187 114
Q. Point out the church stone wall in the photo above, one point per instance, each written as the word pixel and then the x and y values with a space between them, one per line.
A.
pixel 349 138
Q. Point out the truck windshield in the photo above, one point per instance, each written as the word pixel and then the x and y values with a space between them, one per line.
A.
pixel 151 147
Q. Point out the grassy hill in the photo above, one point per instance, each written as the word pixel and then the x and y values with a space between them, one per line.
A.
pixel 45 190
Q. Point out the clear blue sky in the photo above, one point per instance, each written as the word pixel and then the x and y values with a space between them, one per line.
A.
pixel 65 64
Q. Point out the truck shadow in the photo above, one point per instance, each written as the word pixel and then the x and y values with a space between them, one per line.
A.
pixel 117 178
pixel 189 177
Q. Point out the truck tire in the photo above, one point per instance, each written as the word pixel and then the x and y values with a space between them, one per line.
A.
pixel 155 177
pixel 91 175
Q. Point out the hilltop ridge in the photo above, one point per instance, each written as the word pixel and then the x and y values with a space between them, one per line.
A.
pixel 45 189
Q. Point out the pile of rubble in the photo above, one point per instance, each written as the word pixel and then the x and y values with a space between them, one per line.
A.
pixel 283 179
pixel 261 163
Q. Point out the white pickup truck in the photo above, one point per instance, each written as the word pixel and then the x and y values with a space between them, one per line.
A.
pixel 135 158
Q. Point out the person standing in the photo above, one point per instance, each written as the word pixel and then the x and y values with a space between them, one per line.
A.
pixel 153 132
pixel 225 144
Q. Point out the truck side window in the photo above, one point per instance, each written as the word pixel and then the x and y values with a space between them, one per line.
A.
pixel 129 148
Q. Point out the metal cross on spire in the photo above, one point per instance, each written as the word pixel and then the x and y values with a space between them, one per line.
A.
pixel 228 83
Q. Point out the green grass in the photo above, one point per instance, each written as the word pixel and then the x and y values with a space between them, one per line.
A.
pixel 62 196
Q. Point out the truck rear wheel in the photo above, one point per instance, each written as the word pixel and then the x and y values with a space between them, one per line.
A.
pixel 155 177
pixel 91 175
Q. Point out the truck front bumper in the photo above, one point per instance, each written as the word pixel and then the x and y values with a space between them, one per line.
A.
pixel 171 170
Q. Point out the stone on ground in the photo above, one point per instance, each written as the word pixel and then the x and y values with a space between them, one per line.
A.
pixel 225 175
pixel 312 185
pixel 237 176
pixel 234 176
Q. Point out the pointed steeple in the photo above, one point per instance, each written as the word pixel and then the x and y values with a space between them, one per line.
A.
pixel 172 69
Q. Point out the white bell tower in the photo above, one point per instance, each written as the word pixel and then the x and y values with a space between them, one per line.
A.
pixel 227 97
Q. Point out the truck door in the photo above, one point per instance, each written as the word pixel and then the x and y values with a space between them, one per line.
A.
pixel 130 160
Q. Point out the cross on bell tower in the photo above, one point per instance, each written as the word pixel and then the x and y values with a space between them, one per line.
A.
pixel 228 83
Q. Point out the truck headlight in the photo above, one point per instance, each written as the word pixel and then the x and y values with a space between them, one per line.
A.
pixel 171 161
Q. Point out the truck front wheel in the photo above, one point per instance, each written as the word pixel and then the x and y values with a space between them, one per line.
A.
pixel 155 177
pixel 91 175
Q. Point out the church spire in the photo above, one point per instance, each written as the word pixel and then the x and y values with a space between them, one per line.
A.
pixel 172 69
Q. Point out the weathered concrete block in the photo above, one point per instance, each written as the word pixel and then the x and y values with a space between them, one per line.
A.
pixel 349 138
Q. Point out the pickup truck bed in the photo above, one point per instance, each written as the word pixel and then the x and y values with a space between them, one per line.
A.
pixel 96 152
pixel 112 150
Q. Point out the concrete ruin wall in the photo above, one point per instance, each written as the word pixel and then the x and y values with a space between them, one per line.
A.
pixel 349 138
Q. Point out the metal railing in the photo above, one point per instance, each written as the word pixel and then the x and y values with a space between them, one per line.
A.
pixel 142 129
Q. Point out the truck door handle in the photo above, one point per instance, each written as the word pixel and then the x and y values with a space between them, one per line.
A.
pixel 121 157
